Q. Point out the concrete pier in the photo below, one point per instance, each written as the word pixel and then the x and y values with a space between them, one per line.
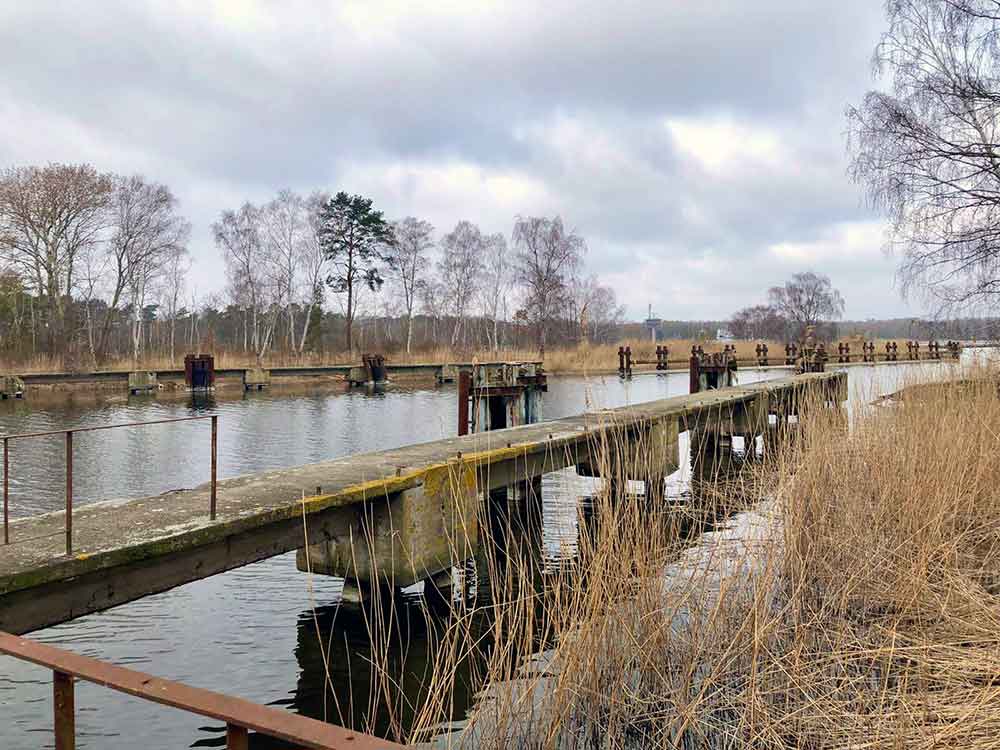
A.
pixel 11 386
pixel 142 382
pixel 393 516
pixel 256 379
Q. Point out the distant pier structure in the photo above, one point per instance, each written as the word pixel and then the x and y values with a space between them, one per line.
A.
pixel 652 325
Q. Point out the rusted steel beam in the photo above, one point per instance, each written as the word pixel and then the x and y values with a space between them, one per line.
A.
pixel 106 427
pixel 63 710
pixel 237 712
pixel 464 394
pixel 6 491
pixel 69 492
pixel 213 501
pixel 237 737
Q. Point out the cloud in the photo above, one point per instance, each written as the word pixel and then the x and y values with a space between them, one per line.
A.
pixel 697 146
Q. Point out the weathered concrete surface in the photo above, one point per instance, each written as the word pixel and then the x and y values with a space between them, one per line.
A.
pixel 417 535
pixel 110 379
pixel 129 549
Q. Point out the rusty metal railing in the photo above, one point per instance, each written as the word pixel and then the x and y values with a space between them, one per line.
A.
pixel 69 466
pixel 240 716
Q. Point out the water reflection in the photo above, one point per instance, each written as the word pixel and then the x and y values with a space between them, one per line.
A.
pixel 252 632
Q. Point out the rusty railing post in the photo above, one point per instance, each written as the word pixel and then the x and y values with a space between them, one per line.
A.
pixel 64 710
pixel 69 492
pixel 215 462
pixel 236 737
pixel 6 491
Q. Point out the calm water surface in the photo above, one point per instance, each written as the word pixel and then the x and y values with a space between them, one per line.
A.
pixel 251 632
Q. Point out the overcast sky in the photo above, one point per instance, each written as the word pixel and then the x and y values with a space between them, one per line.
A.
pixel 697 145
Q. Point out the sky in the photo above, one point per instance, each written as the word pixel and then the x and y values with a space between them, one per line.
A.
pixel 697 145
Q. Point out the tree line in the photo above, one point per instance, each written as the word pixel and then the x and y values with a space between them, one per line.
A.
pixel 97 266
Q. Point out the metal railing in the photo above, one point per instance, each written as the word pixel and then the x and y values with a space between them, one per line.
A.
pixel 69 466
pixel 240 716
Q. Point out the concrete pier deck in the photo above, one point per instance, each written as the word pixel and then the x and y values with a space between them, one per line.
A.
pixel 124 550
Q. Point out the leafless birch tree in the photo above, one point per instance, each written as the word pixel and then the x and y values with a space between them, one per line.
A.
pixel 146 230
pixel 313 262
pixel 496 284
pixel 48 217
pixel 284 229
pixel 409 258
pixel 460 270
pixel 176 268
pixel 927 149
pixel 546 255
pixel 251 278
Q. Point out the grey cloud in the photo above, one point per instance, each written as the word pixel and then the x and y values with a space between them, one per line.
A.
pixel 302 96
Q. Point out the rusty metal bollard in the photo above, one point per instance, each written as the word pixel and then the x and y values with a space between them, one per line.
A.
pixel 791 354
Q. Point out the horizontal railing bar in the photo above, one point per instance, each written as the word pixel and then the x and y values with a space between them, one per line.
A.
pixel 49 433
pixel 15 542
pixel 273 722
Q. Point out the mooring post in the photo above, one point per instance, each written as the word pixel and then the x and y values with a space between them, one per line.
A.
pixel 464 392
pixel 694 371
pixel 64 711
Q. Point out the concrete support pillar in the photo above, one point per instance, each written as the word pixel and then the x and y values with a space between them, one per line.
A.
pixel 647 455
pixel 407 537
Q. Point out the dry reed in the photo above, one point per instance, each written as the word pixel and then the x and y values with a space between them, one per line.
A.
pixel 853 603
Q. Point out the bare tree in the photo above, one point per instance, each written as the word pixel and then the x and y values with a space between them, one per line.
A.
pixel 594 307
pixel 927 149
pixel 48 217
pixel 252 281
pixel 175 271
pixel 145 231
pixel 546 255
pixel 414 239
pixel 460 272
pixel 313 262
pixel 808 299
pixel 758 322
pixel 284 229
pixel 431 296
pixel 496 284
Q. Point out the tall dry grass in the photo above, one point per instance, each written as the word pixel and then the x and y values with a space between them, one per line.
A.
pixel 586 358
pixel 854 602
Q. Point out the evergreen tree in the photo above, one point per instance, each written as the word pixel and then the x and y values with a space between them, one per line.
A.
pixel 355 239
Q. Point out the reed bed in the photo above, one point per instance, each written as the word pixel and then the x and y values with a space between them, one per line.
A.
pixel 585 358
pixel 853 601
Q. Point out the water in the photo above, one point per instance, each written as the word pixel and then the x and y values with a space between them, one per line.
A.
pixel 251 632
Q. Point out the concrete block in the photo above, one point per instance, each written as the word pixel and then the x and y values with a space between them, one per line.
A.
pixel 654 450
pixel 256 379
pixel 357 376
pixel 142 382
pixel 11 386
pixel 447 374
pixel 406 537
